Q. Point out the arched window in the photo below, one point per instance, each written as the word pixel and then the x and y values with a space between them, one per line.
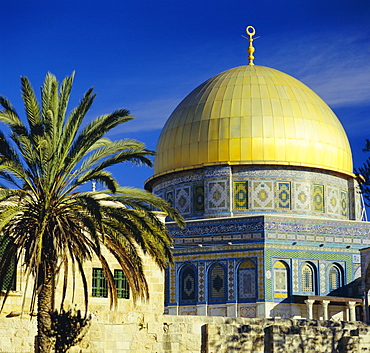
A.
pixel 188 284
pixel 335 278
pixel 281 280
pixel 217 283
pixel 247 281
pixel 308 278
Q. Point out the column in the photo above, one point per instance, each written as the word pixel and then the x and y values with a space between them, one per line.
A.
pixel 352 311
pixel 366 308
pixel 309 303
pixel 325 312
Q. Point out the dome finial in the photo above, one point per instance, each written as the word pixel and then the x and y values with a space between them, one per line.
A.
pixel 251 32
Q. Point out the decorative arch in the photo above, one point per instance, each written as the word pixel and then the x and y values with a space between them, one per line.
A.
pixel 281 279
pixel 335 277
pixel 188 284
pixel 246 281
pixel 308 278
pixel 217 283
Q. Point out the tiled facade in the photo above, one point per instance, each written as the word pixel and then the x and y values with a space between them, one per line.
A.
pixel 236 190
pixel 263 176
pixel 259 253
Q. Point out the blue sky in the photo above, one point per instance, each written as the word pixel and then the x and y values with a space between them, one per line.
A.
pixel 146 56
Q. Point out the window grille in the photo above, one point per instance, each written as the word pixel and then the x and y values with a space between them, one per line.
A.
pixel 246 281
pixel 188 284
pixel 218 284
pixel 100 288
pixel 307 279
pixel 99 284
pixel 120 280
pixel 334 278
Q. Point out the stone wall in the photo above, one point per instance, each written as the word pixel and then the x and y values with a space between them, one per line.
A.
pixel 17 335
pixel 286 336
pixel 197 334
pixel 142 327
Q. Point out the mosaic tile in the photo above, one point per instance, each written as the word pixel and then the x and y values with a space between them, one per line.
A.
pixel 317 227
pixel 188 284
pixel 217 194
pixel 280 279
pixel 283 195
pixel 231 286
pixel 260 268
pixel 217 283
pixel 198 198
pixel 302 196
pixel 322 261
pixel 217 172
pixel 254 225
pixel 170 198
pixel 289 173
pixel 247 281
pixel 172 281
pixel 356 259
pixel 182 200
pixel 343 204
pixel 201 286
pixel 248 311
pixel 262 195
pixel 241 195
pixel 300 200
pixel 322 278
pixel 295 276
pixel 182 178
pixel 318 198
pixel 332 200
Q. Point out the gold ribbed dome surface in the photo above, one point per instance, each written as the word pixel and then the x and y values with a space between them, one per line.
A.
pixel 253 115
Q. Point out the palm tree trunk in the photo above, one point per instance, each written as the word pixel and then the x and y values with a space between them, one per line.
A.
pixel 44 340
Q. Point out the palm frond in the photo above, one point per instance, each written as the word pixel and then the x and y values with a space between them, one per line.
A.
pixel 8 115
pixel 64 94
pixel 46 224
pixel 101 176
pixel 73 124
pixel 156 203
pixel 107 149
pixel 93 133
pixel 32 108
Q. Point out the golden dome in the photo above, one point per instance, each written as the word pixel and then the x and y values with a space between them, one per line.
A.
pixel 253 115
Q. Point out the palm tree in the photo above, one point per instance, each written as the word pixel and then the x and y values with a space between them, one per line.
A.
pixel 363 176
pixel 47 223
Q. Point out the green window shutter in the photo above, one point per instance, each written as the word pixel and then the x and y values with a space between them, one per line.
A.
pixel 120 280
pixel 99 283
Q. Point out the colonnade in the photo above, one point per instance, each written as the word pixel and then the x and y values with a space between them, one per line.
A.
pixel 351 305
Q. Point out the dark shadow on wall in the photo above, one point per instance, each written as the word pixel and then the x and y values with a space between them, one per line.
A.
pixel 285 336
pixel 280 310
pixel 350 290
pixel 68 328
